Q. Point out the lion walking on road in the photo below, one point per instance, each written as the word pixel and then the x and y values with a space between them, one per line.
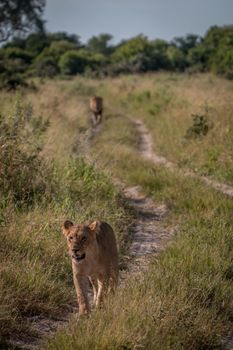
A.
pixel 93 251
pixel 96 107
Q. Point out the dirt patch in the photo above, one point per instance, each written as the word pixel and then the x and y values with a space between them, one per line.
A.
pixel 149 235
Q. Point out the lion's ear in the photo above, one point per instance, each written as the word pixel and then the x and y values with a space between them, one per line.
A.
pixel 94 226
pixel 66 227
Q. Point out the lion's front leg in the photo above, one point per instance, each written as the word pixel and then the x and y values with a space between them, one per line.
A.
pixel 80 283
pixel 94 284
pixel 102 290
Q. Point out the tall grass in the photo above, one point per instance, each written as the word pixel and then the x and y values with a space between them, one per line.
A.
pixel 40 188
pixel 185 299
pixel 168 106
pixel 167 103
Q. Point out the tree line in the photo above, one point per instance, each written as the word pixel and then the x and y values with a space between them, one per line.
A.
pixel 51 54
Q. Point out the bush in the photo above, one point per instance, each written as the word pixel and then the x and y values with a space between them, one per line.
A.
pixel 199 128
pixel 45 66
pixel 12 81
pixel 73 62
pixel 17 53
pixel 23 175
pixel 178 60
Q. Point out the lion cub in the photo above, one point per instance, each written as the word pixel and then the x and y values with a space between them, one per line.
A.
pixel 93 252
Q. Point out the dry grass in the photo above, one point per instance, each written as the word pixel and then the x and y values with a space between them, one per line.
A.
pixel 35 274
pixel 185 300
pixel 167 105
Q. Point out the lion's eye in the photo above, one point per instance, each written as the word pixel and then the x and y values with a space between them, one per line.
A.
pixel 84 239
pixel 70 238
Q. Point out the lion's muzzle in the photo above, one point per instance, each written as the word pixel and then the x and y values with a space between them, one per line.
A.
pixel 78 257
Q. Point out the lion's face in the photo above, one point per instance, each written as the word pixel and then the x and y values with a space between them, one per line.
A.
pixel 79 238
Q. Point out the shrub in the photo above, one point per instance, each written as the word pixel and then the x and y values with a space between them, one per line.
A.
pixel 13 64
pixel 199 128
pixel 12 81
pixel 45 66
pixel 73 62
pixel 23 175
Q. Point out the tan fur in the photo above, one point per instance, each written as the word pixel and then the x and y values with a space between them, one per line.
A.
pixel 96 107
pixel 94 257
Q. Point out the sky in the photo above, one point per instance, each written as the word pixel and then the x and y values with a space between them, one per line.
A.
pixel 124 19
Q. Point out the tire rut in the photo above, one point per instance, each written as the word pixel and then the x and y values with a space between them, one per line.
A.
pixel 146 148
pixel 149 235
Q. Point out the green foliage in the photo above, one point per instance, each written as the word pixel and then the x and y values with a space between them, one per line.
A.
pixel 45 66
pixel 20 16
pixel 14 62
pixel 63 36
pixel 13 53
pixel 219 42
pixel 177 58
pixel 133 54
pixel 159 58
pixel 198 57
pixel 186 43
pixel 100 44
pixel 58 48
pixel 131 48
pixel 199 128
pixel 49 54
pixel 22 172
pixel 36 42
pixel 73 62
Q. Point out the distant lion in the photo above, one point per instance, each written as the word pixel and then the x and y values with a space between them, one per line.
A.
pixel 96 107
pixel 93 252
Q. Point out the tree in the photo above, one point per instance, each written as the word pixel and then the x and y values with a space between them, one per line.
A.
pixel 63 36
pixel 198 57
pixel 73 62
pixel 158 56
pixel 20 16
pixel 177 58
pixel 100 44
pixel 218 46
pixel 186 43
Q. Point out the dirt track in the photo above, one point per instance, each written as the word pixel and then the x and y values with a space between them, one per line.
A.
pixel 146 148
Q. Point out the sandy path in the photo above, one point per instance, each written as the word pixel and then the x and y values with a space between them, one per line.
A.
pixel 149 235
pixel 146 148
